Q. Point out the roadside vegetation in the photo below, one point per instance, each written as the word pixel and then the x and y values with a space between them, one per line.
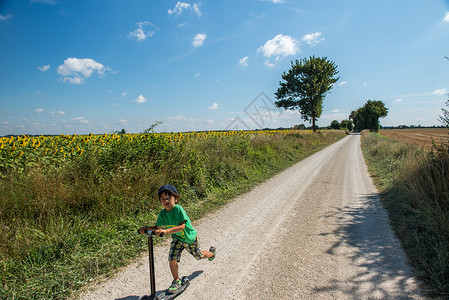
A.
pixel 414 185
pixel 70 205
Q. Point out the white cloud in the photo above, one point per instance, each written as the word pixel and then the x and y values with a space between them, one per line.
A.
pixel 140 99
pixel 4 18
pixel 274 1
pixel 335 111
pixel 124 94
pixel 141 33
pixel 270 64
pixel 279 46
pixel 244 61
pixel 58 113
pixel 74 80
pixel 312 38
pixel 38 110
pixel 197 74
pixel 199 39
pixel 446 18
pixel 342 83
pixel 440 91
pixel 213 106
pixel 181 6
pixel 177 118
pixel 196 9
pixel 399 100
pixel 44 68
pixel 76 70
pixel 40 93
pixel 80 120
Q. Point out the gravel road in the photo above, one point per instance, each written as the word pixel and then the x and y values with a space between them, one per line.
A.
pixel 315 231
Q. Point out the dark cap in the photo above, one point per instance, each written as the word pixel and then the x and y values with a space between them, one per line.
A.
pixel 167 187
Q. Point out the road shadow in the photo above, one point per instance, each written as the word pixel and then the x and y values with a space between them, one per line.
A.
pixel 191 277
pixel 362 228
pixel 195 275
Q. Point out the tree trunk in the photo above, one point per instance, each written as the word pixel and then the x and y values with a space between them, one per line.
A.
pixel 313 124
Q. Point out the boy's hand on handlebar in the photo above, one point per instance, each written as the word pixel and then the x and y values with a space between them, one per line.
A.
pixel 161 232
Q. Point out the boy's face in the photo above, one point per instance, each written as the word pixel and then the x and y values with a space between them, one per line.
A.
pixel 168 200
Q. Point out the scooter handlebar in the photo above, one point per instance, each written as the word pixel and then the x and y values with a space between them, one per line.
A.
pixel 148 231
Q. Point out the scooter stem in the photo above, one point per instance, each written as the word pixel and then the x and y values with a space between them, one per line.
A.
pixel 151 261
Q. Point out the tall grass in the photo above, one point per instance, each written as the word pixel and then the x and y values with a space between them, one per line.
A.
pixel 64 224
pixel 415 189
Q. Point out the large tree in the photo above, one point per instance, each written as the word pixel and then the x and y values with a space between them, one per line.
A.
pixel 367 116
pixel 305 85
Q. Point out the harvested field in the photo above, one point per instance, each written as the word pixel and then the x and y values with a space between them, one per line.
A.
pixel 421 137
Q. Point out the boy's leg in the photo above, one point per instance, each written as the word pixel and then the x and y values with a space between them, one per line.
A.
pixel 176 284
pixel 174 269
pixel 207 254
pixel 174 256
pixel 195 250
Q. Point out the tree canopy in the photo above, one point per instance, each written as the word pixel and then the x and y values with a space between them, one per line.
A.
pixel 367 116
pixel 335 125
pixel 346 124
pixel 305 85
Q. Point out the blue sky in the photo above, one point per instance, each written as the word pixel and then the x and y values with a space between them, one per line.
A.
pixel 100 66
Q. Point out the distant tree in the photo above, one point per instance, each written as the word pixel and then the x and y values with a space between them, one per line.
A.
pixel 335 124
pixel 367 116
pixel 346 124
pixel 357 118
pixel 299 127
pixel 444 118
pixel 152 126
pixel 305 86
pixel 123 131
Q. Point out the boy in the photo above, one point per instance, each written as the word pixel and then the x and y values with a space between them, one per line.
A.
pixel 175 220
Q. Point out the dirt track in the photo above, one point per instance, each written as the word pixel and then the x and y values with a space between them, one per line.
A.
pixel 315 231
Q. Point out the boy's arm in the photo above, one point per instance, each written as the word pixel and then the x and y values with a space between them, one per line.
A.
pixel 181 226
pixel 143 230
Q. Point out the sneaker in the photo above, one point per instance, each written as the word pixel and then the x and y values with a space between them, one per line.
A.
pixel 175 285
pixel 212 249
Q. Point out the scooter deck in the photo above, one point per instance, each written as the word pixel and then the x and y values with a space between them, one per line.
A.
pixel 166 296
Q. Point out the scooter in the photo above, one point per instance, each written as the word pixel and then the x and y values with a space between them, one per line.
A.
pixel 164 295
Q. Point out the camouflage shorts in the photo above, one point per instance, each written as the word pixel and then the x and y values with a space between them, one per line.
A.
pixel 176 248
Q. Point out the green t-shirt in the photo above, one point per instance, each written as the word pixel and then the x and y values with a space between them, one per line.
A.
pixel 172 219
